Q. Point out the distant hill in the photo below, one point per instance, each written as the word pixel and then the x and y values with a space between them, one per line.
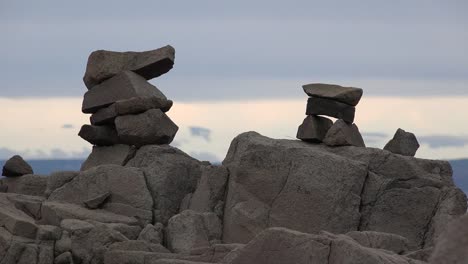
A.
pixel 460 169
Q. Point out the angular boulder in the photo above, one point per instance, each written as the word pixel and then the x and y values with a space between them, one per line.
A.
pixel 323 106
pixel 314 128
pixel 404 143
pixel 124 85
pixel 16 221
pixel 150 127
pixel 99 135
pixel 343 134
pixel 28 184
pixel 347 95
pixel 152 233
pixel 170 175
pixel 134 105
pixel 452 245
pixel 104 155
pixel 103 64
pixel 16 166
pixel 58 179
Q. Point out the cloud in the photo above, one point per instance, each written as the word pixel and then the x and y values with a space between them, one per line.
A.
pixel 54 153
pixel 205 156
pixel 441 141
pixel 202 132
pixel 68 126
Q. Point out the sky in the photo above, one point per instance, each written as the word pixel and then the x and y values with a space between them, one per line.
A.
pixel 240 66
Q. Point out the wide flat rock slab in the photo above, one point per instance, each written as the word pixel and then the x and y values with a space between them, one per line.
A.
pixel 103 64
pixel 347 95
pixel 99 135
pixel 328 107
pixel 124 85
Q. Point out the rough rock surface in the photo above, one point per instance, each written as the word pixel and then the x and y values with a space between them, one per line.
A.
pixel 323 106
pixel 379 240
pixel 150 127
pixel 404 143
pixel 58 179
pixel 124 85
pixel 103 64
pixel 28 184
pixel 16 166
pixel 103 155
pixel 134 105
pixel 347 95
pixel 99 135
pixel 152 233
pixel 452 246
pixel 343 134
pixel 314 128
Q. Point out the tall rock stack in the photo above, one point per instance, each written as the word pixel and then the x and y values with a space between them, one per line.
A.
pixel 126 109
pixel 335 101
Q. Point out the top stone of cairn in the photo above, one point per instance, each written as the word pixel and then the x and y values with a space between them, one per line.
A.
pixel 347 95
pixel 103 64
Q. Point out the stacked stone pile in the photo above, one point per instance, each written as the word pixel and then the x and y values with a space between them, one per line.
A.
pixel 335 101
pixel 125 107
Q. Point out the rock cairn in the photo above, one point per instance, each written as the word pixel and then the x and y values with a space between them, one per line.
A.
pixel 334 101
pixel 125 107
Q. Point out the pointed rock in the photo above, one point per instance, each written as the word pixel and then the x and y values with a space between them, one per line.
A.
pixel 329 107
pixel 101 155
pixel 314 128
pixel 124 85
pixel 347 95
pixel 99 135
pixel 404 143
pixel 103 64
pixel 344 134
pixel 16 166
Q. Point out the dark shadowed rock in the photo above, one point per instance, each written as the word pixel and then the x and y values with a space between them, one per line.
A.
pixel 99 135
pixel 49 232
pixel 152 233
pixel 28 184
pixel 104 155
pixel 16 166
pixel 404 143
pixel 97 201
pixel 170 175
pixel 210 189
pixel 64 258
pixel 138 245
pixel 323 106
pixel 452 246
pixel 150 127
pixel 314 128
pixel 347 95
pixel 124 85
pixel 344 134
pixel 130 106
pixel 103 64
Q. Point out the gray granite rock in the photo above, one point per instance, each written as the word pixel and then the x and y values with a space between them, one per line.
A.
pixel 347 95
pixel 210 189
pixel 64 258
pixel 124 85
pixel 97 201
pixel 16 221
pixel 103 64
pixel 16 166
pixel 314 128
pixel 379 240
pixel 344 134
pixel 328 107
pixel 452 246
pixel 104 155
pixel 99 135
pixel 58 179
pixel 29 184
pixel 404 143
pixel 150 127
pixel 48 232
pixel 134 105
pixel 152 233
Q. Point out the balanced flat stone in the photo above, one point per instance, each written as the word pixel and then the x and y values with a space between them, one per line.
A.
pixel 103 64
pixel 314 128
pixel 124 85
pixel 404 143
pixel 344 134
pixel 329 107
pixel 16 166
pixel 150 127
pixel 134 105
pixel 99 135
pixel 347 95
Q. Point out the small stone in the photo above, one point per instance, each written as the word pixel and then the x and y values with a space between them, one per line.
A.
pixel 404 143
pixel 344 134
pixel 103 64
pixel 314 128
pixel 16 166
pixel 150 127
pixel 329 107
pixel 124 85
pixel 97 201
pixel 347 95
pixel 99 135
pixel 134 105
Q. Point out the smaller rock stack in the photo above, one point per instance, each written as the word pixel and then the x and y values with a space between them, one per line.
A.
pixel 335 101
pixel 125 107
